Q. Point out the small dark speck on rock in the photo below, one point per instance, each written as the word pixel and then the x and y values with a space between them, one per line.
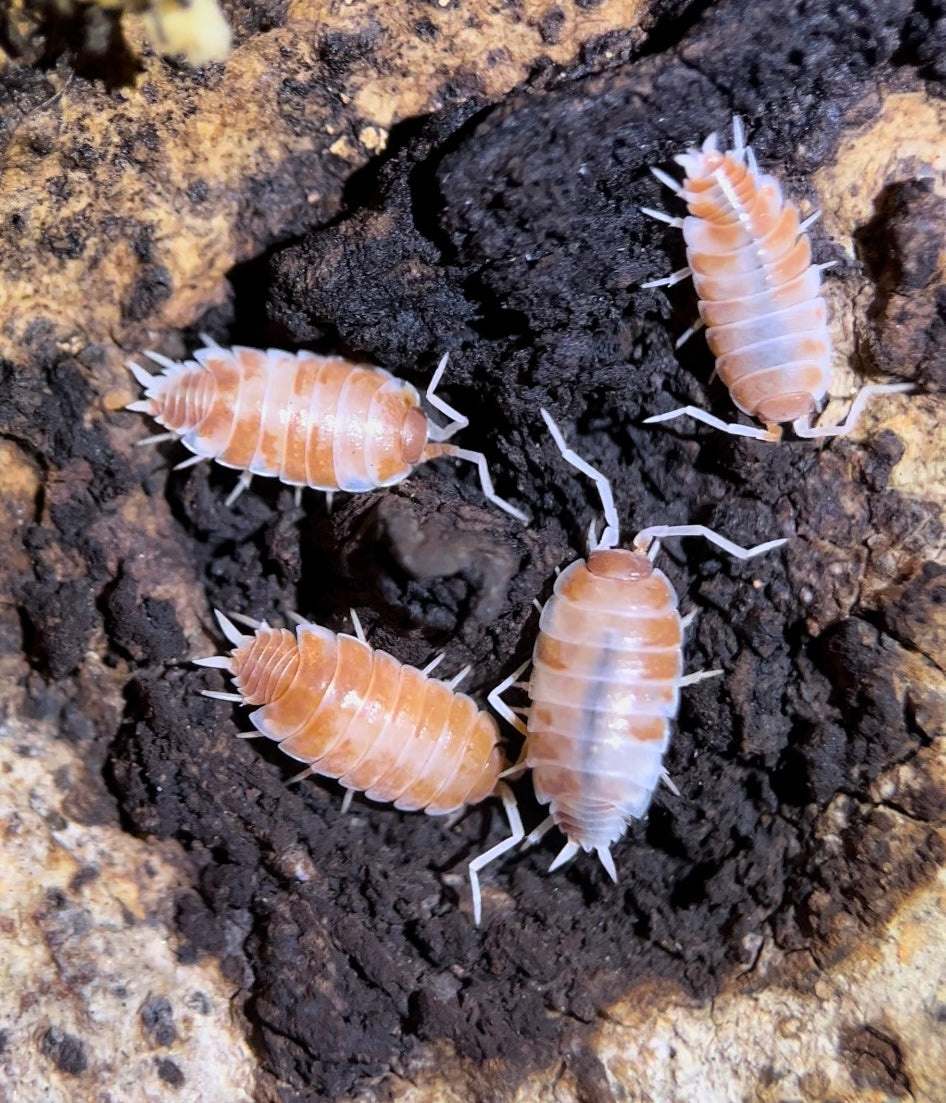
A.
pixel 169 1072
pixel 158 1021
pixel 66 1051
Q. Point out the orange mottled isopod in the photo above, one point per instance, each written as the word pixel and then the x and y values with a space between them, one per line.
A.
pixel 377 726
pixel 759 294
pixel 308 420
pixel 607 669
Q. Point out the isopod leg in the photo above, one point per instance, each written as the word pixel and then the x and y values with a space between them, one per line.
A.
pixel 189 462
pixel 159 438
pixel 803 429
pixel 242 483
pixel 687 334
pixel 433 664
pixel 698 676
pixel 568 851
pixel 457 420
pixel 662 216
pixel 539 832
pixel 612 532
pixel 347 799
pixel 515 836
pixel 733 428
pixel 669 281
pixel 495 699
pixel 458 677
pixel 660 532
pixel 485 481
pixel 359 631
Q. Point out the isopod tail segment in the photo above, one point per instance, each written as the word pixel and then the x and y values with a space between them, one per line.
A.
pixel 607 670
pixel 375 725
pixel 307 420
pixel 760 301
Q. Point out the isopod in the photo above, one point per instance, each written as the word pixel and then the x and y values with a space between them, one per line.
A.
pixel 376 725
pixel 607 670
pixel 759 294
pixel 307 420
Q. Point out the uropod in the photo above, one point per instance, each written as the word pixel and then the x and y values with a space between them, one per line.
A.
pixel 759 294
pixel 358 715
pixel 307 420
pixel 607 670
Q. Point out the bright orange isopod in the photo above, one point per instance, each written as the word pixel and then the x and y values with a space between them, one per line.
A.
pixel 308 420
pixel 377 726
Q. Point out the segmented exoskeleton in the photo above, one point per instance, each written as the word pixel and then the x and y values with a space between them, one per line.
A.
pixel 376 725
pixel 308 420
pixel 759 293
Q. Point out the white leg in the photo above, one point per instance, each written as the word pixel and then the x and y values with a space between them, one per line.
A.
pixel 215 662
pixel 485 481
pixel 661 532
pixel 457 420
pixel 667 780
pixel 612 532
pixel 235 698
pixel 295 618
pixel 359 631
pixel 752 162
pixel 667 180
pixel 803 429
pixel 684 337
pixel 738 136
pixel 433 664
pixel 307 772
pixel 297 497
pixel 346 800
pixel 159 438
pixel 516 833
pixel 662 216
pixel 329 498
pixel 698 676
pixel 142 406
pixel 539 832
pixel 256 625
pixel 458 678
pixel 494 697
pixel 732 428
pixel 164 361
pixel 209 342
pixel 230 630
pixel 242 483
pixel 146 379
pixel 809 221
pixel 669 281
pixel 686 621
pixel 254 734
pixel 189 462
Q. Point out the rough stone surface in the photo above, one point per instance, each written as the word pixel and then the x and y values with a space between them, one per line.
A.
pixel 504 228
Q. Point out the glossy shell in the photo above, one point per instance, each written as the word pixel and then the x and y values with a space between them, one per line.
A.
pixel 307 420
pixel 360 716
pixel 759 292
pixel 604 688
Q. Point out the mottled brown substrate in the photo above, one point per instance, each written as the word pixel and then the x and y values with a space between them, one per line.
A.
pixel 809 833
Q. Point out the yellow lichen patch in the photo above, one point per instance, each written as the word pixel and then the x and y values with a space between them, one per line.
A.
pixel 905 142
pixel 92 995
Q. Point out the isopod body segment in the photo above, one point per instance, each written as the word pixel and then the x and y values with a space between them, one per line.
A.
pixel 308 420
pixel 376 725
pixel 759 293
pixel 607 669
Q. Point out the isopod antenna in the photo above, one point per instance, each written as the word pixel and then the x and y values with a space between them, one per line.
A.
pixel 440 434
